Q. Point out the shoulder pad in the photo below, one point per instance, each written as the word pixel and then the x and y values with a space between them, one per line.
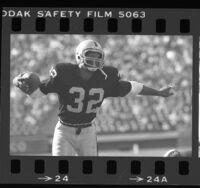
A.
pixel 112 73
pixel 60 68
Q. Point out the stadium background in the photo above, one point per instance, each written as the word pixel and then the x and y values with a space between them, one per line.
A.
pixel 130 126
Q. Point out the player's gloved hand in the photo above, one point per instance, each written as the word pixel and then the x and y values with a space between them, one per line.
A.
pixel 27 82
pixel 167 91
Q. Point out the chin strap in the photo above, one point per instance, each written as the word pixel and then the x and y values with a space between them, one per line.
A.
pixel 104 73
pixel 81 64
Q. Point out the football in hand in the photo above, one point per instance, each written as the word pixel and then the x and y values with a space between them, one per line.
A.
pixel 28 82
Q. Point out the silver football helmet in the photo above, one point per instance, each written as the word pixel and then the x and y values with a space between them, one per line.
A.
pixel 90 54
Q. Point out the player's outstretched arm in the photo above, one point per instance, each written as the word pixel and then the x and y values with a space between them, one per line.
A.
pixel 163 92
pixel 136 88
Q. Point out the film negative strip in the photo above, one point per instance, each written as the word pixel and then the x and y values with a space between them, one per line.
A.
pixel 99 96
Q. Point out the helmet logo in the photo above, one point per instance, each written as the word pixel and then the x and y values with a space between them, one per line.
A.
pixel 96 45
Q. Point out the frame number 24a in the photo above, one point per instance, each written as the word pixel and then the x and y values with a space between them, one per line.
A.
pixel 150 179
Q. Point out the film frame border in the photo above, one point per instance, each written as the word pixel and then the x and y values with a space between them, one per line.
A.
pixel 183 165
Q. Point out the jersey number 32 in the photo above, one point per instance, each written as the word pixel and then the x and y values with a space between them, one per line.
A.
pixel 99 92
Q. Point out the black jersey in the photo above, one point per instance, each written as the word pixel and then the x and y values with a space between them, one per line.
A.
pixel 80 99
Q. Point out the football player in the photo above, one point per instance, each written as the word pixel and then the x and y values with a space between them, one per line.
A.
pixel 81 89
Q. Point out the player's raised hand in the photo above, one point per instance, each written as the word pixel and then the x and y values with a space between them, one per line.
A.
pixel 167 91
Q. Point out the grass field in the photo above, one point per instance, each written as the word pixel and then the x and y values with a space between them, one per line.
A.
pixel 158 152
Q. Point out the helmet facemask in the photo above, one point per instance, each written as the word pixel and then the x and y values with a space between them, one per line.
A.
pixel 92 59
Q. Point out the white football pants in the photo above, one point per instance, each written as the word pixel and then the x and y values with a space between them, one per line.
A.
pixel 67 143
